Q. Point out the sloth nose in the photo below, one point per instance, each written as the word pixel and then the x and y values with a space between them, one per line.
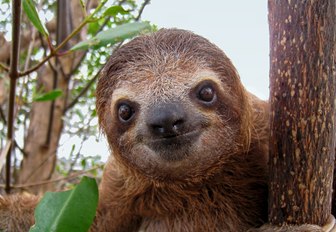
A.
pixel 167 120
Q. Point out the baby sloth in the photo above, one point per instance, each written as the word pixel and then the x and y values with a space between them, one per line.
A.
pixel 189 143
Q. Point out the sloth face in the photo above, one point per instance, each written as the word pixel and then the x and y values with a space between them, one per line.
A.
pixel 171 127
pixel 171 115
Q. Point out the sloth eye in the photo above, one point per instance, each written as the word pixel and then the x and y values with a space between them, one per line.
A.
pixel 206 94
pixel 125 112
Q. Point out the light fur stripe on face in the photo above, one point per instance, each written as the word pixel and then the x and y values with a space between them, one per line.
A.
pixel 163 88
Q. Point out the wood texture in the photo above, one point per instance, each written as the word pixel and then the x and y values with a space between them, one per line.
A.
pixel 302 81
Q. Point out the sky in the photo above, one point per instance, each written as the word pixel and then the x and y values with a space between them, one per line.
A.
pixel 238 27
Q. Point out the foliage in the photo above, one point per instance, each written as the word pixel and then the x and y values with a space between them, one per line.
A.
pixel 31 12
pixel 72 210
pixel 79 117
pixel 112 36
pixel 106 25
pixel 49 96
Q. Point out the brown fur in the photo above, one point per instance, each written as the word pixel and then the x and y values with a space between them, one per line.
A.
pixel 17 212
pixel 221 184
pixel 214 181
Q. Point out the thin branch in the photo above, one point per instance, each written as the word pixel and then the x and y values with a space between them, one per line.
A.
pixel 43 44
pixel 73 163
pixel 52 106
pixel 52 109
pixel 86 51
pixel 4 153
pixel 84 90
pixel 2 115
pixel 23 85
pixel 36 169
pixel 73 33
pixel 30 48
pixel 73 176
pixel 4 67
pixel 51 66
pixel 64 42
pixel 13 74
pixel 33 69
pixel 76 66
pixel 61 31
pixel 122 2
pixel 54 52
pixel 87 87
pixel 20 148
pixel 144 4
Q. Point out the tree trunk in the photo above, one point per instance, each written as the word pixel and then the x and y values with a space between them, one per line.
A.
pixel 46 118
pixel 40 151
pixel 302 81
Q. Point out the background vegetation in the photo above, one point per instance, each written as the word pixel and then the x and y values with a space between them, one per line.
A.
pixel 49 94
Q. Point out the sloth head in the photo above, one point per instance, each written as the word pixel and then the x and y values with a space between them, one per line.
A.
pixel 172 106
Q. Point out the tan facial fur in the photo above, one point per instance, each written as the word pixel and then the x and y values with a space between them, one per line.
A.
pixel 172 82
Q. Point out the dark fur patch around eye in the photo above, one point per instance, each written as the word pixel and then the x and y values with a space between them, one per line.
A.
pixel 124 116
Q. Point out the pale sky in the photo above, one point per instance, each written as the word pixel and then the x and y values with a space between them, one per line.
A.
pixel 239 27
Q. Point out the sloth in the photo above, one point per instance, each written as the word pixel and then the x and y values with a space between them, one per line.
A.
pixel 189 145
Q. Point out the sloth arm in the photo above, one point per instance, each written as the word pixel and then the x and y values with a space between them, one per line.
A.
pixel 115 208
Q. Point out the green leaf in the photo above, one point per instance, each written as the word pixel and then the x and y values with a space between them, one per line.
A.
pixel 93 27
pixel 114 10
pixel 72 210
pixel 29 8
pixel 50 96
pixel 83 163
pixel 113 36
pixel 94 113
pixel 80 114
pixel 85 44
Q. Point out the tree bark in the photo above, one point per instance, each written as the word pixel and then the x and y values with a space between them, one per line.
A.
pixel 302 82
pixel 40 159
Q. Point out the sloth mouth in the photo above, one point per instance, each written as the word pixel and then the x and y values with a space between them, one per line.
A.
pixel 174 147
pixel 177 138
